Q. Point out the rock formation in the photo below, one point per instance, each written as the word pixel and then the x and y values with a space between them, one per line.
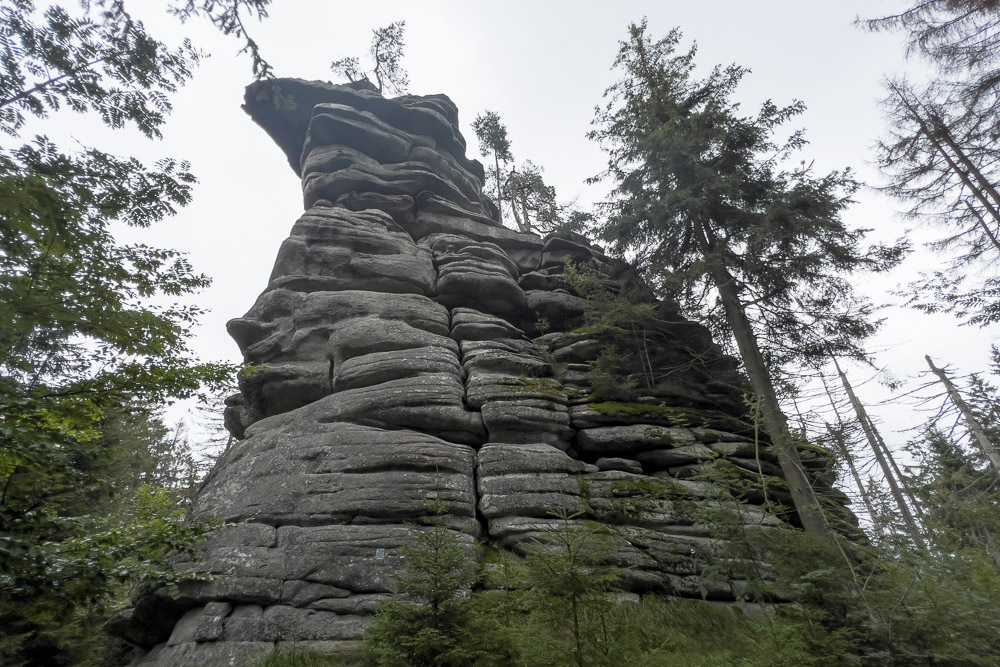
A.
pixel 409 346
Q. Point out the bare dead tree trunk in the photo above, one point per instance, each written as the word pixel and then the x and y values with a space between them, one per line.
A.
pixel 935 135
pixel 895 467
pixel 883 456
pixel 496 162
pixel 979 433
pixel 941 130
pixel 524 210
pixel 841 443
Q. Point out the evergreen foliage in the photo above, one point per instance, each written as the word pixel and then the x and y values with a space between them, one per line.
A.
pixel 700 196
pixel 961 39
pixel 93 486
pixel 701 199
pixel 440 622
pixel 524 193
pixel 493 140
pixel 571 581
pixel 623 323
pixel 297 657
pixel 809 600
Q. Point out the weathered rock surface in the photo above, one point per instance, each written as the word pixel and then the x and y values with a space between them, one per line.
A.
pixel 409 347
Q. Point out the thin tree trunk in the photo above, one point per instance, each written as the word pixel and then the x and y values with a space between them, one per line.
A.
pixel 517 216
pixel 962 175
pixel 496 161
pixel 982 225
pixel 516 194
pixel 640 348
pixel 895 487
pixel 984 183
pixel 989 449
pixel 576 631
pixel 802 420
pixel 932 136
pixel 838 439
pixel 524 210
pixel 803 497
pixel 895 467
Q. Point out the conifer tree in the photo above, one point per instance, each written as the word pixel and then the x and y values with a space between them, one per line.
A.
pixel 493 140
pixel 440 622
pixel 568 568
pixel 961 39
pixel 986 445
pixel 701 199
pixel 387 73
pixel 892 475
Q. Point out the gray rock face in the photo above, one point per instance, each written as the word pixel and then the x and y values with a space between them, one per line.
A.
pixel 398 355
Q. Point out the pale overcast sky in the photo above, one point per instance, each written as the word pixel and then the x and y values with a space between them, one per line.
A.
pixel 543 65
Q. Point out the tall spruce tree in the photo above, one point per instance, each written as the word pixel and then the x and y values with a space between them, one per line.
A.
pixel 702 201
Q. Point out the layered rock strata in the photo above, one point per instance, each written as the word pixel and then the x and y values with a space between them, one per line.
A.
pixel 408 346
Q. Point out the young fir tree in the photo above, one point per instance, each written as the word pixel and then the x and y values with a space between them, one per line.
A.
pixel 961 495
pixel 701 199
pixel 440 623
pixel 572 581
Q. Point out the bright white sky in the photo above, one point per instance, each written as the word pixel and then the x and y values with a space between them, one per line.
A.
pixel 543 65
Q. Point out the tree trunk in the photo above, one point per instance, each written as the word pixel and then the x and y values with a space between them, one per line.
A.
pixel 513 209
pixel 984 183
pixel 524 209
pixel 994 241
pixel 838 438
pixel 932 135
pixel 985 444
pixel 962 175
pixel 803 497
pixel 496 161
pixel 883 456
pixel 895 467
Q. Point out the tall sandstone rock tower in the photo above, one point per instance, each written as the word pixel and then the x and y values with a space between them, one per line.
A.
pixel 409 346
